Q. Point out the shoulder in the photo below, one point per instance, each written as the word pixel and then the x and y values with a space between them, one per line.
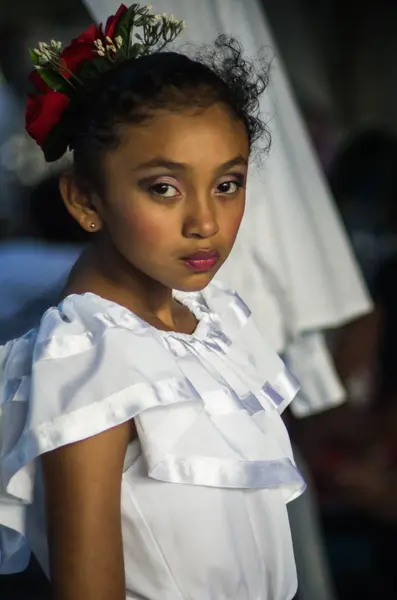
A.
pixel 90 366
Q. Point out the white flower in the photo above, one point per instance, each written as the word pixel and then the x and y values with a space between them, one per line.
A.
pixel 119 41
pixel 43 46
pixel 101 52
pixel 109 40
pixel 98 44
pixel 37 52
pixel 183 24
pixel 56 45
pixel 46 55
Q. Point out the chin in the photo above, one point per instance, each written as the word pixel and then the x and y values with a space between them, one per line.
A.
pixel 194 283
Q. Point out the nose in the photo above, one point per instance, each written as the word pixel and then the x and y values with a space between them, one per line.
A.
pixel 201 218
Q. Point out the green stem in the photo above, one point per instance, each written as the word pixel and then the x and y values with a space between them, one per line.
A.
pixel 162 46
pixel 72 76
pixel 129 41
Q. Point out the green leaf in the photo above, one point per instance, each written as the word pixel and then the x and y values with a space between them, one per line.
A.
pixel 126 25
pixel 135 50
pixel 34 57
pixel 90 70
pixel 54 80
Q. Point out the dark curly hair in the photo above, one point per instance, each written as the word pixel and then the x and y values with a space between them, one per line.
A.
pixel 132 90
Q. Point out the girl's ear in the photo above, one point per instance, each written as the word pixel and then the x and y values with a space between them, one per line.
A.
pixel 79 204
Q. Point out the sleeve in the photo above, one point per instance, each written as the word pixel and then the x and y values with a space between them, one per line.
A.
pixel 81 373
pixel 74 380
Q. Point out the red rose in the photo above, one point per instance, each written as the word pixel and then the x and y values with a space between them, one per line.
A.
pixel 43 112
pixel 80 50
pixel 112 22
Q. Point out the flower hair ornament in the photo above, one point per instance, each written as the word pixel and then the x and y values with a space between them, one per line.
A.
pixel 62 74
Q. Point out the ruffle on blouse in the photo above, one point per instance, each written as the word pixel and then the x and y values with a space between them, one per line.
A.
pixel 207 406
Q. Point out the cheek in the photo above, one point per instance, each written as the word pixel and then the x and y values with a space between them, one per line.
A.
pixel 151 233
pixel 232 224
pixel 145 228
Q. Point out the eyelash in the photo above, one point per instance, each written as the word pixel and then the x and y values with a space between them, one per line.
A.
pixel 239 183
pixel 163 184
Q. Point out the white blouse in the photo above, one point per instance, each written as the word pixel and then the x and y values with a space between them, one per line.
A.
pixel 205 484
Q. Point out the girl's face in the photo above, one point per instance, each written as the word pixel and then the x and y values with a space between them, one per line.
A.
pixel 175 194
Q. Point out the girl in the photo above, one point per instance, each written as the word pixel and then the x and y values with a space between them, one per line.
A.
pixel 141 421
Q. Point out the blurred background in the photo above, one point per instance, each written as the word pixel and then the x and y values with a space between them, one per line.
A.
pixel 340 60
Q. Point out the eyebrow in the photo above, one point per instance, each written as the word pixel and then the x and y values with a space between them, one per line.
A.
pixel 177 166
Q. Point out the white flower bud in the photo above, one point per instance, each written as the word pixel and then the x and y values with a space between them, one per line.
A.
pixel 46 55
pixel 119 41
pixel 109 40
pixel 43 46
pixel 98 44
pixel 37 52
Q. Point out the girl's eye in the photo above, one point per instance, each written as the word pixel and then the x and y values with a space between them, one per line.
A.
pixel 229 187
pixel 166 190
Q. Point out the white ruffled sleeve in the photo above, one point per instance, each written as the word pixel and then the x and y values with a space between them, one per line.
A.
pixel 82 373
pixel 207 407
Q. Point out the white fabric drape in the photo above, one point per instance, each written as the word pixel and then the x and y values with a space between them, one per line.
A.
pixel 292 261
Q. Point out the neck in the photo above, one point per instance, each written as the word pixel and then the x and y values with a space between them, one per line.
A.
pixel 107 273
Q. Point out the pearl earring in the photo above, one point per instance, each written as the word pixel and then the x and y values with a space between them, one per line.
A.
pixel 92 225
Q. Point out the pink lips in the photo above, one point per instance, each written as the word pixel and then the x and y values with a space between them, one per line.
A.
pixel 202 261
